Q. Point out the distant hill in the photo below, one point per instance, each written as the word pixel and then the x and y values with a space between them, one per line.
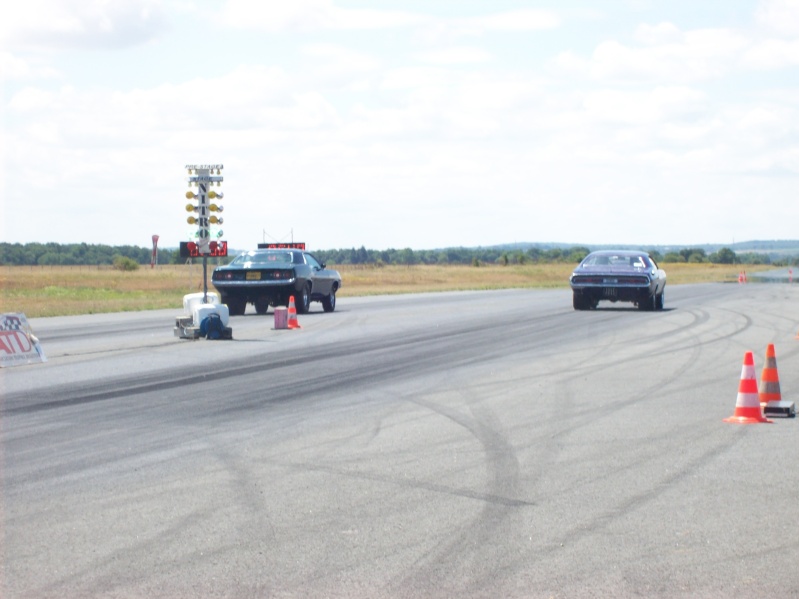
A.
pixel 778 247
pixel 787 247
pixel 749 252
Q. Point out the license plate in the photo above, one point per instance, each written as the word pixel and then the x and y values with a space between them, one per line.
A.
pixel 610 281
pixel 253 276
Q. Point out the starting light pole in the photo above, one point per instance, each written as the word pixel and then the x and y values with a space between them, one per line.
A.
pixel 203 177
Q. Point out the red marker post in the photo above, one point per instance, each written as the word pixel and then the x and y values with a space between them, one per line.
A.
pixel 154 259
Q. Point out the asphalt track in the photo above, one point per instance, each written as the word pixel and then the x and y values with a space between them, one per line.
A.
pixel 485 444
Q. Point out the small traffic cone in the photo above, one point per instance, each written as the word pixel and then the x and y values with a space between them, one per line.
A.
pixel 769 389
pixel 293 322
pixel 747 406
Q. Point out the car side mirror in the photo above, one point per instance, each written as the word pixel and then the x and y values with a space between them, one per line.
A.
pixel 323 265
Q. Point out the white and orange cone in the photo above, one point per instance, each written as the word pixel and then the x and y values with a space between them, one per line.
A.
pixel 293 322
pixel 769 389
pixel 747 406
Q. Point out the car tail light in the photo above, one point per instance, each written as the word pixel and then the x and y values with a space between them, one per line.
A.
pixel 280 275
pixel 228 275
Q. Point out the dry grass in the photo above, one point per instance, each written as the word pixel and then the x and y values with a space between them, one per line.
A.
pixel 61 290
pixel 374 280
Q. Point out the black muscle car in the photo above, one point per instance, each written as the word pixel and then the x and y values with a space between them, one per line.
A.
pixel 618 276
pixel 268 277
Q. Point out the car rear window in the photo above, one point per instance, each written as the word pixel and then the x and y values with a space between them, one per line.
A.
pixel 264 258
pixel 619 260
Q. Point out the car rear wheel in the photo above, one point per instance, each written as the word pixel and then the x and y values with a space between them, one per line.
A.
pixel 236 305
pixel 329 301
pixel 648 303
pixel 261 306
pixel 304 300
pixel 580 302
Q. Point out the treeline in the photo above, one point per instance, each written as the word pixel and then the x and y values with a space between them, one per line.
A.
pixel 504 256
pixel 722 256
pixel 57 254
pixel 474 256
pixel 49 254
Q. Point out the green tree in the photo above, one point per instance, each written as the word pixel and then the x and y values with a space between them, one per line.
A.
pixel 723 256
pixel 406 256
pixel 577 254
pixel 673 257
pixel 125 263
pixel 693 254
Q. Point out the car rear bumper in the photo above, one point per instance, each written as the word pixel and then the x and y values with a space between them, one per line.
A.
pixel 256 290
pixel 615 293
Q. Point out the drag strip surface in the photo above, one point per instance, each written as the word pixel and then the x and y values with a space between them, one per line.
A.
pixel 484 444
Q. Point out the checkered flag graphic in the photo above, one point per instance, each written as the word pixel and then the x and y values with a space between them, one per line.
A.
pixel 11 323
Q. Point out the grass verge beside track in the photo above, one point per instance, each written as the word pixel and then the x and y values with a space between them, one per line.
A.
pixel 64 290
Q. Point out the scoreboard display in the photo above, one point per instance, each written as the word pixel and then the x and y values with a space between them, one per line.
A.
pixel 298 245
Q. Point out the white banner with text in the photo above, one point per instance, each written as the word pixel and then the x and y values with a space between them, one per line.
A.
pixel 18 344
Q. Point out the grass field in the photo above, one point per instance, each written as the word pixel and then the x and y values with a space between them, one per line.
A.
pixel 63 290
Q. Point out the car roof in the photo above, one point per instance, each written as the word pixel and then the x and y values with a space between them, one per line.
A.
pixel 266 252
pixel 272 251
pixel 619 253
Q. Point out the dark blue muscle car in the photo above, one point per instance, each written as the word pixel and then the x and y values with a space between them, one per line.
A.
pixel 618 276
pixel 269 277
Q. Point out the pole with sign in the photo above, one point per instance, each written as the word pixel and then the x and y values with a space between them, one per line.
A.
pixel 203 177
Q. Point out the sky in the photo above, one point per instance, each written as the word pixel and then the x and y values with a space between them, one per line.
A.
pixel 402 123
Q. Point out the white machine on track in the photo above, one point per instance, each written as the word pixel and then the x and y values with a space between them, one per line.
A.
pixel 204 317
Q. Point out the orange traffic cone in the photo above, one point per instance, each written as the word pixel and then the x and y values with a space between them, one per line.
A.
pixel 769 389
pixel 293 322
pixel 747 406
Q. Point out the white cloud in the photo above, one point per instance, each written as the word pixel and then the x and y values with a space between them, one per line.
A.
pixel 666 55
pixel 335 59
pixel 374 19
pixel 314 15
pixel 641 107
pixel 780 15
pixel 455 55
pixel 32 99
pixel 415 78
pixel 446 31
pixel 662 33
pixel 54 24
pixel 308 15
pixel 772 54
pixel 698 55
pixel 13 67
pixel 517 20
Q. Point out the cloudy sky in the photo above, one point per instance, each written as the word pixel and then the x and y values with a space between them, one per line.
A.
pixel 403 123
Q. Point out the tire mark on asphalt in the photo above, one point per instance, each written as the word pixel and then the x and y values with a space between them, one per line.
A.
pixel 445 337
pixel 639 500
pixel 461 552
